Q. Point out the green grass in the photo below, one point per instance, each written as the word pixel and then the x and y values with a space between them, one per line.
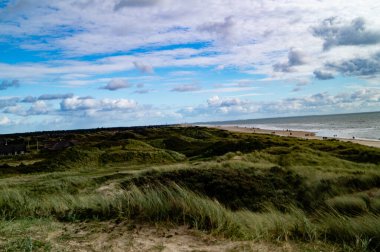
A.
pixel 239 186
pixel 358 232
pixel 26 244
pixel 375 206
pixel 348 205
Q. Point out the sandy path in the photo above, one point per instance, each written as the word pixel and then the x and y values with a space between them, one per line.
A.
pixel 124 237
pixel 293 133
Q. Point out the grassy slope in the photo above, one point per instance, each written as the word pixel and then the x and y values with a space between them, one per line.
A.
pixel 239 186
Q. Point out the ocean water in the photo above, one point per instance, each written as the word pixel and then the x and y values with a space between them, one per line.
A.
pixel 358 125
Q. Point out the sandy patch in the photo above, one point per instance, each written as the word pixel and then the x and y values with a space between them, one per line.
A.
pixel 109 236
pixel 111 189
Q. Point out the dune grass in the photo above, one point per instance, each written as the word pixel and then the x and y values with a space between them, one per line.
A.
pixel 239 186
pixel 348 205
pixel 177 205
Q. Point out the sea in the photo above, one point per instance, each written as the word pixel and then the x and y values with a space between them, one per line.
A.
pixel 359 125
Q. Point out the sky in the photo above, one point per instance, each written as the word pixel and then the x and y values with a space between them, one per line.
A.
pixel 70 64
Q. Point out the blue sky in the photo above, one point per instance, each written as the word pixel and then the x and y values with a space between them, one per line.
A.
pixel 91 63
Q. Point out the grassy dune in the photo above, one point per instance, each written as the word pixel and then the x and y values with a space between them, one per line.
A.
pixel 315 195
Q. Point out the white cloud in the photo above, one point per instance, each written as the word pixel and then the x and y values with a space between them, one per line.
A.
pixel 179 38
pixel 77 103
pixel 46 97
pixel 81 104
pixel 222 89
pixel 117 104
pixel 38 108
pixel 5 84
pixel 143 68
pixel 295 58
pixel 16 109
pixel 368 99
pixel 186 88
pixel 336 34
pixel 116 84
pixel 223 30
pixel 135 3
pixel 8 102
pixel 216 101
pixel 182 73
pixel 4 121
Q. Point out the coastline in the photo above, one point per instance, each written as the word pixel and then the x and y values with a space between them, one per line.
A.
pixel 293 133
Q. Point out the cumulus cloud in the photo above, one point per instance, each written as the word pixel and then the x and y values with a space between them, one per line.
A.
pixel 16 109
pixel 5 84
pixel 334 33
pixel 141 89
pixel 29 99
pixel 295 58
pixel 365 67
pixel 221 105
pixel 180 36
pixel 38 108
pixel 80 104
pixel 143 68
pixel 321 75
pixel 135 3
pixel 117 84
pixel 367 95
pixel 216 101
pixel 186 88
pixel 8 102
pixel 322 101
pixel 316 103
pixel 47 97
pixel 4 121
pixel 117 104
pixel 223 30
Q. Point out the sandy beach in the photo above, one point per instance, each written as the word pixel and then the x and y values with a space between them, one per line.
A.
pixel 293 133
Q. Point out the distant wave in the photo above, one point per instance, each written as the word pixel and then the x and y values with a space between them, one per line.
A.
pixel 358 125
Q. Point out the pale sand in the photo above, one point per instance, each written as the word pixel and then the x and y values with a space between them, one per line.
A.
pixel 124 236
pixel 293 133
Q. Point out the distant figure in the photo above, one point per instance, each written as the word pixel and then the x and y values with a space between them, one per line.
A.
pixel 290 133
pixel 353 137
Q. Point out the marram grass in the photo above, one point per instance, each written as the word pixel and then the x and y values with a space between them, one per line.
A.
pixel 241 186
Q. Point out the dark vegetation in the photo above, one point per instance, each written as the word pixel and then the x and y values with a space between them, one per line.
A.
pixel 242 186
